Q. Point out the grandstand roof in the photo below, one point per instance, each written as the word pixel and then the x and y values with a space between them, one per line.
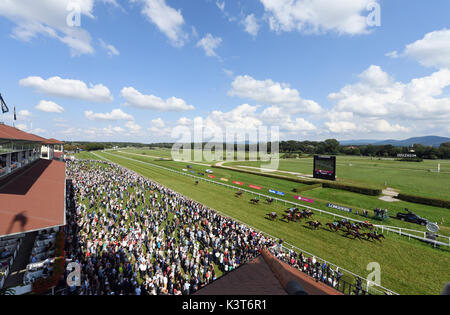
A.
pixel 253 278
pixel 265 275
pixel 33 198
pixel 53 141
pixel 12 133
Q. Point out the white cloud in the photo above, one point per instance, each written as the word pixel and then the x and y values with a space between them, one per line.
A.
pixel 57 86
pixel 49 18
pixel 137 99
pixel 277 116
pixel 377 103
pixel 274 93
pixel 24 113
pixel 209 44
pixel 183 121
pixel 383 126
pixel 393 54
pixel 168 20
pixel 431 51
pixel 158 128
pixel 228 72
pixel 318 16
pixel 245 120
pixel 221 5
pixel 341 126
pixel 158 123
pixel 111 50
pixel 22 127
pixel 116 114
pixel 133 127
pixel 379 95
pixel 49 107
pixel 36 131
pixel 251 25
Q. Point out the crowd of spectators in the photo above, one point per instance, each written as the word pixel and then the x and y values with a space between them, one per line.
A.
pixel 133 236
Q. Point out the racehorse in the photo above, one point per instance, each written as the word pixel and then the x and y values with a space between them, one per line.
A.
pixel 272 216
pixel 292 210
pixel 254 201
pixel 289 217
pixel 367 225
pixel 354 233
pixel 333 227
pixel 269 200
pixel 351 226
pixel 238 194
pixel 196 182
pixel 374 236
pixel 314 224
pixel 307 213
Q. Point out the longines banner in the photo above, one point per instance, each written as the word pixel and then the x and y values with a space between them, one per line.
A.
pixel 255 187
pixel 238 183
pixel 331 205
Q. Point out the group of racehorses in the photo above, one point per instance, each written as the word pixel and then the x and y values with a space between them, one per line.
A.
pixel 350 229
pixel 354 229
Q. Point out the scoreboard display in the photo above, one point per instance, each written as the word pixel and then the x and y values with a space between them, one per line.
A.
pixel 324 167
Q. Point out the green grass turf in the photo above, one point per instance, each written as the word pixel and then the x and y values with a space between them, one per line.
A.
pixel 408 267
pixel 321 196
pixel 87 156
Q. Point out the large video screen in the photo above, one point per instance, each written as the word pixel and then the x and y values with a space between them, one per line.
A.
pixel 325 167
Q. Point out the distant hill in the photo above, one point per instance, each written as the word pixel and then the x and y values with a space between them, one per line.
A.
pixel 434 141
pixel 357 142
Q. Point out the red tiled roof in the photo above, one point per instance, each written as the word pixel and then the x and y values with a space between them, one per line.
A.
pixel 265 275
pixel 11 133
pixel 253 278
pixel 53 141
pixel 33 199
pixel 286 273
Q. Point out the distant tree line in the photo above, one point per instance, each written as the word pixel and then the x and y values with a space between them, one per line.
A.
pixel 332 147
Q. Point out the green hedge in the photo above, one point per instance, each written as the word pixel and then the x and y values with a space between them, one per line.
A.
pixel 424 200
pixel 356 189
pixel 295 180
pixel 313 182
pixel 309 187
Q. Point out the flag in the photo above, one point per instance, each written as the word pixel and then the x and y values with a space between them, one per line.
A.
pixel 5 108
pixel 15 117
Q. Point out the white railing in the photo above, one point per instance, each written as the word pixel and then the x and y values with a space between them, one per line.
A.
pixel 393 229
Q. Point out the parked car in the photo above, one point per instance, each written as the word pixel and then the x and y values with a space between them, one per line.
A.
pixel 209 172
pixel 411 217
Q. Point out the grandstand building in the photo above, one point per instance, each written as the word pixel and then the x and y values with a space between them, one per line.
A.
pixel 32 204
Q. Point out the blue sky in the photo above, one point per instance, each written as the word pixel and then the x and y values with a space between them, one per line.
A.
pixel 136 69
